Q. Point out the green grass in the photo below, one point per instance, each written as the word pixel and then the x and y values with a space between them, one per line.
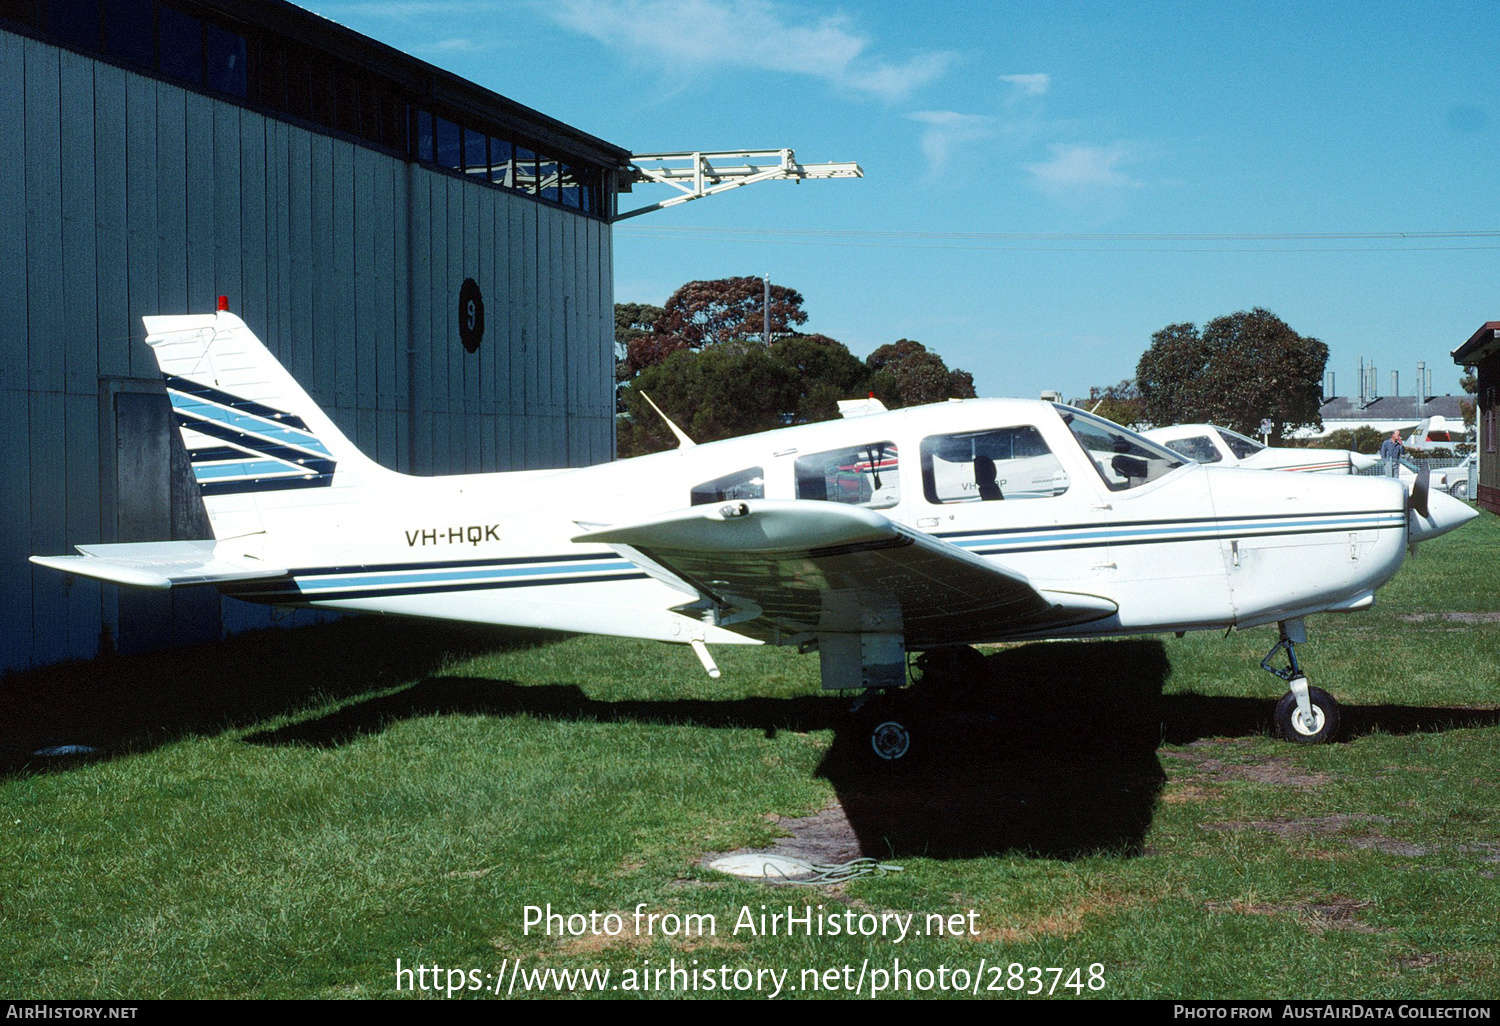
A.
pixel 286 815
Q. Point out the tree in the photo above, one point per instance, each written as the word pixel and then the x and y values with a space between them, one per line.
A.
pixel 1360 439
pixel 1238 370
pixel 633 322
pixel 703 313
pixel 717 392
pixel 705 363
pixel 1120 403
pixel 907 373
pixel 825 372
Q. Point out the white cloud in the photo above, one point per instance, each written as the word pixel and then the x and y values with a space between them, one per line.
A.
pixel 1080 171
pixel 947 130
pixel 749 33
pixel 455 45
pixel 1029 85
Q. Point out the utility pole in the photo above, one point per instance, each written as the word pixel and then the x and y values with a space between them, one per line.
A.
pixel 765 317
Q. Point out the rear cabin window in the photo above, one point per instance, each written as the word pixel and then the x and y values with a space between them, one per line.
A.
pixel 986 466
pixel 742 484
pixel 1199 448
pixel 866 475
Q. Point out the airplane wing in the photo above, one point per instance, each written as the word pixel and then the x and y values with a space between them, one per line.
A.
pixel 818 567
pixel 172 564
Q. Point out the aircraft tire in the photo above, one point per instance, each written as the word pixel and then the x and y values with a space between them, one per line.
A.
pixel 1290 726
pixel 890 742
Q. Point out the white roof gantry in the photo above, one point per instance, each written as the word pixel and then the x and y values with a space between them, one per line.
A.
pixel 700 173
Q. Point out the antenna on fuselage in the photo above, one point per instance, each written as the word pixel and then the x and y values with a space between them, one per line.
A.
pixel 683 441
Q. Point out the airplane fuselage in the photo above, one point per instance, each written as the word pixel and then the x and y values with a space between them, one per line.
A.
pixel 1196 548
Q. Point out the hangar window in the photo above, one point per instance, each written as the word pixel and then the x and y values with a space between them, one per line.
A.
pixel 23 11
pixel 501 172
pixel 425 137
pixel 320 83
pixel 742 484
pixel 1199 448
pixel 866 475
pixel 476 154
pixel 587 190
pixel 568 185
pixel 181 45
pixel 346 97
pixel 75 22
pixel 547 174
pixel 215 48
pixel 298 87
pixel 394 118
pixel 449 144
pixel 1123 458
pixel 130 31
pixel 525 165
pixel 226 60
pixel 985 466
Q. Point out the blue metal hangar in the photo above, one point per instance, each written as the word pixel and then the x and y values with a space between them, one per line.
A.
pixel 430 259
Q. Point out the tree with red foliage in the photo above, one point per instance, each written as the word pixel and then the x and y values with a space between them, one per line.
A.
pixel 703 313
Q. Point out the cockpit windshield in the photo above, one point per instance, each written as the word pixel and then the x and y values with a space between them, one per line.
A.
pixel 1123 458
pixel 1242 447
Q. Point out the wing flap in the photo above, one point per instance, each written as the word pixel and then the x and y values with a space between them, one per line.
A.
pixel 818 567
pixel 161 565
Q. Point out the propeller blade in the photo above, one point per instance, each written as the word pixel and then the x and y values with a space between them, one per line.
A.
pixel 1420 489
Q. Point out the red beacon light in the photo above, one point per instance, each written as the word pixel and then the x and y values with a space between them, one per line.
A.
pixel 224 304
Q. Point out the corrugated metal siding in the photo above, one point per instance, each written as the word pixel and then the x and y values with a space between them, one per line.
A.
pixel 122 196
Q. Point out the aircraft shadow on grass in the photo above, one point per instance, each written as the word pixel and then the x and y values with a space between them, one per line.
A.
pixel 1053 751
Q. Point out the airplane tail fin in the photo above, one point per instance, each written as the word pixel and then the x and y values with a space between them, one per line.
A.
pixel 256 440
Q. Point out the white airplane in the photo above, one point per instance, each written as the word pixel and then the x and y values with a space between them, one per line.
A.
pixel 924 529
pixel 1206 443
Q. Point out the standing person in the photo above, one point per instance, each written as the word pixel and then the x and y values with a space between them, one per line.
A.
pixel 1390 451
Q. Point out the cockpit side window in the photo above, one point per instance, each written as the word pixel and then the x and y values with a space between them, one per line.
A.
pixel 985 466
pixel 742 484
pixel 1123 458
pixel 865 475
pixel 1242 447
pixel 1199 448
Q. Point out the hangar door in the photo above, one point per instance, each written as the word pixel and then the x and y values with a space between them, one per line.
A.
pixel 156 500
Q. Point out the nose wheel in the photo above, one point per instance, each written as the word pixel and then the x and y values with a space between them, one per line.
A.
pixel 1305 715
pixel 1318 726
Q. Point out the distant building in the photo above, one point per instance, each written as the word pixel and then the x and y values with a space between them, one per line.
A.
pixel 1482 351
pixel 1405 413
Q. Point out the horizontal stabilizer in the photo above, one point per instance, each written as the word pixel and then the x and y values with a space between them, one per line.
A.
pixel 172 564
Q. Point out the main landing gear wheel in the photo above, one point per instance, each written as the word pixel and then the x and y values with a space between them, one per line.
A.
pixel 1296 728
pixel 890 740
pixel 883 729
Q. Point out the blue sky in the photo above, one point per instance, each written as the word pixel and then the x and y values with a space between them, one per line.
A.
pixel 1094 128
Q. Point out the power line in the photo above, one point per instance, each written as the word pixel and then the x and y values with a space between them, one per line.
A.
pixel 1466 233
pixel 1044 242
